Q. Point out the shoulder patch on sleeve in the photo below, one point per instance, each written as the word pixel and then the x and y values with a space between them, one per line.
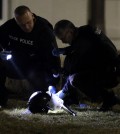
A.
pixel 98 31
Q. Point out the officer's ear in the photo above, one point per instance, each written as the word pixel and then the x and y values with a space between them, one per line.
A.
pixel 33 17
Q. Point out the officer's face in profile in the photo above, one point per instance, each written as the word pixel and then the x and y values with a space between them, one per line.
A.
pixel 26 21
pixel 65 35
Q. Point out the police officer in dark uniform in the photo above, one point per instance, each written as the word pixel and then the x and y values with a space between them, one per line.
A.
pixel 30 40
pixel 90 64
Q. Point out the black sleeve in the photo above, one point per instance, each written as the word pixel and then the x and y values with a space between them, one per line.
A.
pixel 49 41
pixel 108 49
pixel 4 40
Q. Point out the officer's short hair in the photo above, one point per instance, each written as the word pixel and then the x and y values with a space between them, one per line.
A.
pixel 63 24
pixel 21 10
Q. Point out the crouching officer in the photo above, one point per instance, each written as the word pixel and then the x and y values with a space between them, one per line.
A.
pixel 30 40
pixel 90 63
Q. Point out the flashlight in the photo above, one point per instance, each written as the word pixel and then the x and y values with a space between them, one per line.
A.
pixel 9 56
pixel 6 55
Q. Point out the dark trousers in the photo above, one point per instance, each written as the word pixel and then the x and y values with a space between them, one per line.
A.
pixel 38 77
pixel 93 85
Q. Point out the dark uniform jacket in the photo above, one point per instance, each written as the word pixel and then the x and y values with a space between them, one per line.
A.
pixel 91 53
pixel 29 48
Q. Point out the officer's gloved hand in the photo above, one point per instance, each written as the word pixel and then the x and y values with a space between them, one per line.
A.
pixel 61 94
pixel 52 89
pixel 58 51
